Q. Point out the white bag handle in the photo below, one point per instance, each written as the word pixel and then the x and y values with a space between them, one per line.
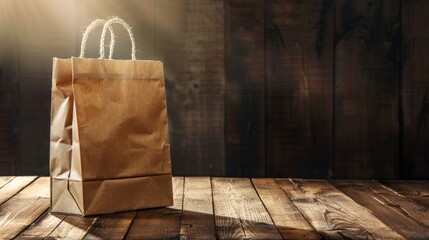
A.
pixel 89 29
pixel 130 33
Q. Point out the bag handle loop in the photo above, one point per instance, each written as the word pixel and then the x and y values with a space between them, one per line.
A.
pixel 89 29
pixel 130 33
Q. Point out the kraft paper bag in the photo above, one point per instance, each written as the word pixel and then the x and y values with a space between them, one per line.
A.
pixel 109 148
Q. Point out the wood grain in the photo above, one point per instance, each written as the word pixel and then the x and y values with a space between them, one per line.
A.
pixel 42 227
pixel 112 226
pixel 72 227
pixel 239 213
pixel 189 39
pixel 160 223
pixel 24 208
pixel 14 186
pixel 367 43
pixel 286 217
pixel 234 208
pixel 299 43
pixel 5 180
pixel 245 84
pixel 333 214
pixel 415 89
pixel 198 217
pixel 418 191
pixel 394 210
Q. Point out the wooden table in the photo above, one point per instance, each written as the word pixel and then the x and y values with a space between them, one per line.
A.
pixel 233 208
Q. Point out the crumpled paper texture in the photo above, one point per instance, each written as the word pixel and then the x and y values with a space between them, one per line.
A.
pixel 110 149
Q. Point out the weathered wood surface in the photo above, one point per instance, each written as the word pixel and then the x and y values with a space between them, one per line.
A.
pixel 18 212
pixel 163 223
pixel 367 53
pixel 286 217
pixel 332 213
pixel 275 88
pixel 299 60
pixel 4 180
pixel 416 190
pixel 13 186
pixel 415 89
pixel 189 39
pixel 234 208
pixel 408 218
pixel 197 217
pixel 239 213
pixel 245 84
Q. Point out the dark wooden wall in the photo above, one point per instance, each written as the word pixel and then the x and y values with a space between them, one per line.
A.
pixel 284 88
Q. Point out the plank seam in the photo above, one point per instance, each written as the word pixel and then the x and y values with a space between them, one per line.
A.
pixel 214 212
pixel 265 207
pixel 131 224
pixel 181 210
pixel 19 190
pixel 400 209
pixel 38 218
pixel 321 237
pixel 332 174
pixel 401 158
pixel 364 207
pixel 8 181
pixel 297 208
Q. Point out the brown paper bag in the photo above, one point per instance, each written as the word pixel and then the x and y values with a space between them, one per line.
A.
pixel 109 146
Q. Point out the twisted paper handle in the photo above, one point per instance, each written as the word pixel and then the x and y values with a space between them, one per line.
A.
pixel 130 33
pixel 89 29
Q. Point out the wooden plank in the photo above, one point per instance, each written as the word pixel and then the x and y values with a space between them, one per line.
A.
pixel 24 208
pixel 112 226
pixel 42 227
pixel 189 39
pixel 415 190
pixel 14 186
pixel 5 180
pixel 9 89
pixel 287 218
pixel 239 213
pixel 415 89
pixel 299 43
pixel 245 88
pixel 197 218
pixel 72 227
pixel 367 39
pixel 401 214
pixel 160 223
pixel 333 214
pixel 53 21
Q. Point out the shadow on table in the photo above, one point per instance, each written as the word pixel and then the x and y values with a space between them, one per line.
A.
pixel 170 223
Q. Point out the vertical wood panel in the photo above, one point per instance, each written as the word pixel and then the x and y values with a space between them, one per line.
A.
pixel 415 89
pixel 299 87
pixel 45 30
pixel 245 88
pixel 189 40
pixel 367 87
pixel 9 89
